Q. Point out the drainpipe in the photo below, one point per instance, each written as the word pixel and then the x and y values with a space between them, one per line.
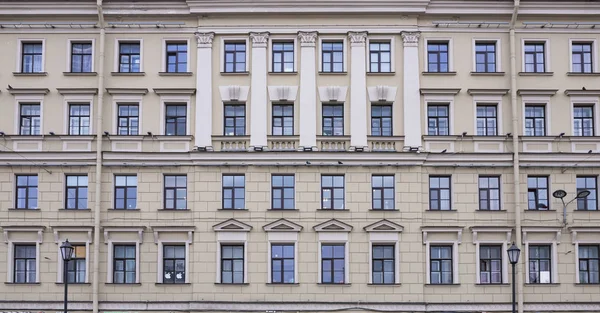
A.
pixel 515 139
pixel 99 133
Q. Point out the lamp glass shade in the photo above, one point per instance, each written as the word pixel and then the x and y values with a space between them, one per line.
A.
pixel 559 194
pixel 583 194
pixel 513 254
pixel 66 250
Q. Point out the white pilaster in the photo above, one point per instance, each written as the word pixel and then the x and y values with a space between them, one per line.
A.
pixel 358 89
pixel 203 134
pixel 258 90
pixel 308 90
pixel 412 99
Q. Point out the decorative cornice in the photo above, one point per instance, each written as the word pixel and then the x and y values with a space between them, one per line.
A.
pixel 583 92
pixel 127 91
pixel 333 225
pixel 77 91
pixel 384 226
pixel 28 91
pixel 307 39
pixel 204 40
pixel 174 91
pixel 357 39
pixel 232 225
pixel 487 92
pixel 439 91
pixel 410 39
pixel 537 92
pixel 259 40
pixel 282 225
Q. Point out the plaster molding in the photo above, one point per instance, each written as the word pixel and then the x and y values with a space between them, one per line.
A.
pixel 116 229
pixel 580 92
pixel 37 229
pixel 234 93
pixel 77 91
pixel 127 91
pixel 232 225
pixel 283 93
pixel 358 39
pixel 487 92
pixel 204 40
pixel 333 225
pixel 477 230
pixel 333 93
pixel 410 39
pixel 439 91
pixel 73 229
pixel 156 230
pixel 537 92
pixel 259 40
pixel 557 231
pixel 307 39
pixel 28 91
pixel 282 225
pixel 442 229
pixel 382 93
pixel 384 226
pixel 174 91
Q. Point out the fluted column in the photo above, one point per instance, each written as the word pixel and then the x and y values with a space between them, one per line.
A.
pixel 203 134
pixel 412 99
pixel 308 90
pixel 258 90
pixel 358 89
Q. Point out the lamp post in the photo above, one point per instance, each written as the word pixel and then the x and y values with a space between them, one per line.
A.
pixel 513 257
pixel 561 194
pixel 66 250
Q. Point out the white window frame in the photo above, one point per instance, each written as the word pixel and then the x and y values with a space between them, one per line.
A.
pixel 498 43
pixel 345 47
pixel 334 238
pixel 23 99
pixel 439 99
pixel 392 42
pixel 110 241
pixel 78 99
pixel 124 100
pixel 575 231
pixel 454 243
pixel 556 233
pixel 538 100
pixel 226 238
pixel 118 42
pixel 62 232
pixel 594 43
pixel 507 232
pixel 450 53
pixel 488 100
pixel 281 38
pixel 160 242
pixel 225 39
pixel 166 41
pixel 178 100
pixel 547 58
pixel 582 101
pixel 70 51
pixel 20 42
pixel 39 231
pixel 275 237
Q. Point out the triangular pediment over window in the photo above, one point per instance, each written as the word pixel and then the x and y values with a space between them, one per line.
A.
pixel 282 225
pixel 232 225
pixel 333 225
pixel 384 226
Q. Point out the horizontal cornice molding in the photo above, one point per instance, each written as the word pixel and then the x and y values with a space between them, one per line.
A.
pixel 174 91
pixel 439 91
pixel 580 92
pixel 77 91
pixel 487 92
pixel 127 91
pixel 28 91
pixel 537 92
pixel 307 6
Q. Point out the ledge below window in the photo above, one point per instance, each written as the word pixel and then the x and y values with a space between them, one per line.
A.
pixel 441 211
pixel 123 210
pixel 330 284
pixel 587 284
pixel 333 210
pixel 536 74
pixel 170 284
pixel 384 210
pixel 24 284
pixel 282 284
pixel 492 285
pixel 128 73
pixel 540 210
pixel 491 211
pixel 385 285
pixel 80 74
pixel 128 284
pixel 582 74
pixel 585 211
pixel 175 73
pixel 443 285
pixel 283 73
pixel 333 73
pixel 71 284
pixel 439 73
pixel 30 74
pixel 283 210
pixel 173 210
pixel 541 285
pixel 226 210
pixel 381 73
pixel 487 73
pixel 233 284
pixel 73 210
pixel 23 210
pixel 235 73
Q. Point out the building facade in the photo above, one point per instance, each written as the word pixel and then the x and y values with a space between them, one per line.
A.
pixel 264 156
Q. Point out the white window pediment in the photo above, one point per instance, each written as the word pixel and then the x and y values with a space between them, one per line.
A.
pixel 429 230
pixel 188 231
pixel 333 225
pixel 282 225
pixel 384 226
pixel 232 225
pixel 108 230
pixel 234 93
pixel 382 93
pixel 283 93
pixel 333 93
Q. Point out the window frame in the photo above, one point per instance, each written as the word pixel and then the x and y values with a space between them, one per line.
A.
pixel 537 190
pixel 118 53
pixel 283 105
pixel 222 259
pixel 20 55
pixel 282 190
pixel 441 260
pixel 450 198
pixel 333 259
pixel 551 249
pixel 125 190
pixel 247 49
pixel 165 58
pixel 334 106
pixel 74 258
pixel 498 54
pixel 437 118
pixel 128 118
pixel 234 117
pixel 79 128
pixel 593 191
pixel 327 38
pixel 233 191
pixel 382 189
pixel 576 131
pixel 331 54
pixel 500 247
pixel 125 259
pixel 27 271
pixel 433 40
pixel 31 127
pixel 177 117
pixel 547 49
pixel 594 53
pixel 77 191
pixel 272 259
pixel 332 190
pixel 282 54
pixel 175 189
pixel 381 118
pixel 579 260
pixel 70 43
pixel 545 118
pixel 486 118
pixel 384 259
pixel 488 192
pixel 380 40
pixel 282 38
pixel 163 247
pixel 27 188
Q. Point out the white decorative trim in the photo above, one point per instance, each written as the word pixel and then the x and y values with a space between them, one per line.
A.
pixel 334 238
pixel 282 225
pixel 259 40
pixel 495 100
pixel 19 58
pixel 226 39
pixel 453 242
pixel 594 52
pixel 383 226
pixel 283 93
pixel 282 38
pixel 576 241
pixel 441 100
pixel 307 39
pixel 232 225
pixel 382 93
pixel 282 237
pixel 392 42
pixel 547 58
pixel 410 39
pixel 556 233
pixel 333 93
pixel 333 225
pixel 345 50
pixel 538 101
pixel 39 231
pixel 583 101
pixel 70 42
pixel 28 99
pixel 88 230
pixel 130 99
pixel 77 99
pixel 498 52
pixel 174 100
pixel 110 241
pixel 383 237
pixel 118 42
pixel 449 40
pixel 234 93
pixel 506 231
pixel 189 233
pixel 357 39
pixel 231 237
pixel 166 41
pixel 204 40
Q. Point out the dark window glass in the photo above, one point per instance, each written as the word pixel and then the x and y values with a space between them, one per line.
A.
pixel 380 57
pixel 440 265
pixel 332 192
pixel 487 120
pixel 583 121
pixel 175 120
pixel 27 192
pixel 173 264
pixel 76 268
pixel 537 193
pixel 535 120
pixel 582 57
pixel 384 265
pixel 438 120
pixel 333 263
pixel 489 193
pixel 235 57
pixel 30 119
pixel 589 183
pixel 176 57
pixel 283 57
pixel 383 192
pixel 129 57
pixel 589 264
pixel 283 120
pixel 81 57
pixel 282 191
pixel 234 188
pixel 175 192
pixel 77 192
pixel 282 263
pixel 437 57
pixel 79 119
pixel 333 56
pixel 333 119
pixel 125 192
pixel 24 267
pixel 232 264
pixel 235 120
pixel 439 193
pixel 535 59
pixel 381 120
pixel 540 264
pixel 485 57
pixel 31 57
pixel 124 264
pixel 490 264
pixel 128 119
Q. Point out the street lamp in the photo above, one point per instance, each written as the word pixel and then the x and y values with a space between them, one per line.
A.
pixel 561 194
pixel 513 257
pixel 66 250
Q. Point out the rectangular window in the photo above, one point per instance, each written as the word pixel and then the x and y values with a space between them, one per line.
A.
pixel 175 119
pixel 540 264
pixel 173 264
pixel 24 267
pixel 232 264
pixel 176 57
pixel 333 263
pixel 383 192
pixel 79 119
pixel 438 121
pixel 485 57
pixel 380 57
pixel 437 57
pixel 31 57
pixel 235 120
pixel 77 192
pixel 589 183
pixel 439 193
pixel 440 265
pixel 332 192
pixel 76 268
pixel 283 57
pixel 583 120
pixel 235 57
pixel 30 119
pixel 282 263
pixel 234 189
pixel 589 264
pixel 487 120
pixel 384 264
pixel 537 193
pixel 332 56
pixel 175 192
pixel 282 191
pixel 129 57
pixel 283 120
pixel 535 120
pixel 333 120
pixel 128 119
pixel 125 192
pixel 489 193
pixel 27 192
pixel 381 120
pixel 81 57
pixel 490 264
pixel 581 55
pixel 124 268
pixel 535 59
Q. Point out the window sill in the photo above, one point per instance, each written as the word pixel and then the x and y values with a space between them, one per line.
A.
pixel 283 210
pixel 70 284
pixel 80 74
pixel 442 211
pixel 487 73
pixel 222 209
pixel 334 284
pixel 128 73
pixel 547 284
pixel 540 210
pixel 495 284
pixel 175 74
pixel 118 284
pixel 30 74
pixel 333 210
pixel 23 210
pixel 585 211
pixel 235 73
pixel 586 284
pixel 74 210
pixel 123 210
pixel 582 74
pixel 439 73
pixel 333 73
pixel 385 285
pixel 536 74
pixel 282 284
pixel 381 73
pixel 283 73
pixel 169 284
pixel 173 137
pixel 24 284
pixel 444 285
pixel 125 137
pixel 174 210
pixel 491 211
pixel 233 284
pixel 384 210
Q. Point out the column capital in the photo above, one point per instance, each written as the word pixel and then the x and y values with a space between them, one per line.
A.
pixel 357 38
pixel 259 40
pixel 410 39
pixel 204 39
pixel 307 39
